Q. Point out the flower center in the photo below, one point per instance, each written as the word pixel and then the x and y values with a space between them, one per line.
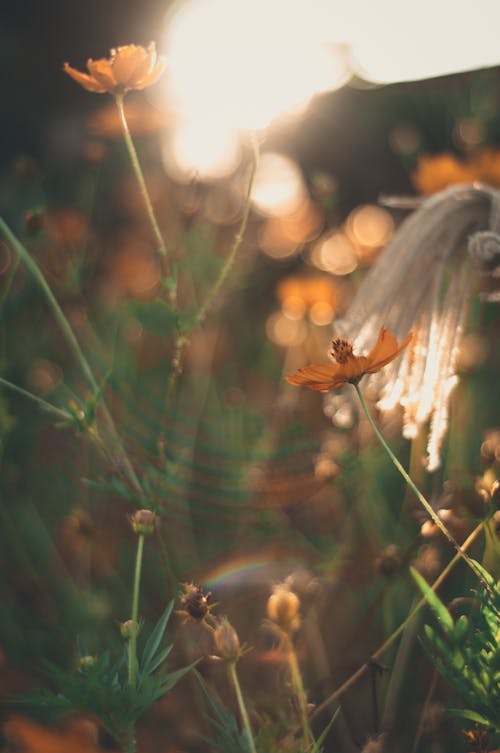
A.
pixel 341 350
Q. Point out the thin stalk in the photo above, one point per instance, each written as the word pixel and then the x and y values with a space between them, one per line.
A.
pixel 241 705
pixel 299 691
pixel 238 238
pixel 136 166
pixel 339 692
pixel 182 340
pixel 35 270
pixel 435 517
pixel 132 644
pixel 58 313
pixel 36 399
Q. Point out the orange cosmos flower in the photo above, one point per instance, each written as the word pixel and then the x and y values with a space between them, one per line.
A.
pixel 128 67
pixel 347 366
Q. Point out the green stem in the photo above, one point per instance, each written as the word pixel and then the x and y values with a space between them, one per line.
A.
pixel 182 339
pixel 395 635
pixel 434 516
pixel 238 238
pixel 132 646
pixel 35 270
pixel 40 401
pixel 298 688
pixel 58 313
pixel 136 166
pixel 241 705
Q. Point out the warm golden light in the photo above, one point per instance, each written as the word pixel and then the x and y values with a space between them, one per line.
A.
pixel 370 228
pixel 284 331
pixel 279 187
pixel 248 61
pixel 204 149
pixel 335 253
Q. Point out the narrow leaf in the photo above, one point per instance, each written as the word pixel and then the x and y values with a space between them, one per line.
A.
pixel 471 715
pixel 155 639
pixel 434 601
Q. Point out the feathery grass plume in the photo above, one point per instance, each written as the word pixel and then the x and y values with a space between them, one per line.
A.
pixel 423 281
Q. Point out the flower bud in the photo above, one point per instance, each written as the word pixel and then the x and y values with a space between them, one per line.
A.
pixel 227 643
pixel 128 628
pixel 85 662
pixel 143 521
pixel 283 608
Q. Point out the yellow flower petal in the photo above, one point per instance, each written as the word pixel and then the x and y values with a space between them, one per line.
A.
pixel 88 82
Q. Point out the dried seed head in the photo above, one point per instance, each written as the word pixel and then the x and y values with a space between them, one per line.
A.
pixel 144 521
pixel 194 603
pixel 226 641
pixel 283 608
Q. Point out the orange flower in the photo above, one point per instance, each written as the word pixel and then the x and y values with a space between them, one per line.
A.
pixel 128 67
pixel 348 367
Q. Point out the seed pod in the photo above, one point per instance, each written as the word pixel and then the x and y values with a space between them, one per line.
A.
pixel 144 521
pixel 283 608
pixel 227 643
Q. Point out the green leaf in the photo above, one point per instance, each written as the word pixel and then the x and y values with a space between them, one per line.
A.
pixel 486 575
pixel 471 715
pixel 160 658
pixel 154 640
pixel 173 678
pixel 434 601
pixel 319 742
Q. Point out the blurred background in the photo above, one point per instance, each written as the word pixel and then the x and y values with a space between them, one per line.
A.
pixel 359 116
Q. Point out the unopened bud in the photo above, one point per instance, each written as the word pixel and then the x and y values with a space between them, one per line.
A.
pixel 227 643
pixel 85 662
pixel 283 608
pixel 128 628
pixel 144 521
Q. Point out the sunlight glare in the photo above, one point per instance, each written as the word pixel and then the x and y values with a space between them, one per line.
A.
pixel 279 187
pixel 249 62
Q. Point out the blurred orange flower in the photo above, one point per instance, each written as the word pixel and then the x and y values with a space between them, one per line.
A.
pixel 128 67
pixel 348 367
pixel 436 172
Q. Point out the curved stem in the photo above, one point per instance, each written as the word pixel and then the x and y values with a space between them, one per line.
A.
pixel 36 399
pixel 241 705
pixel 35 270
pixel 136 166
pixel 132 645
pixel 212 294
pixel 58 313
pixel 434 516
pixel 182 340
pixel 395 635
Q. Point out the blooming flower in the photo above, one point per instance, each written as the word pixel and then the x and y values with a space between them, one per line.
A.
pixel 128 67
pixel 347 366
